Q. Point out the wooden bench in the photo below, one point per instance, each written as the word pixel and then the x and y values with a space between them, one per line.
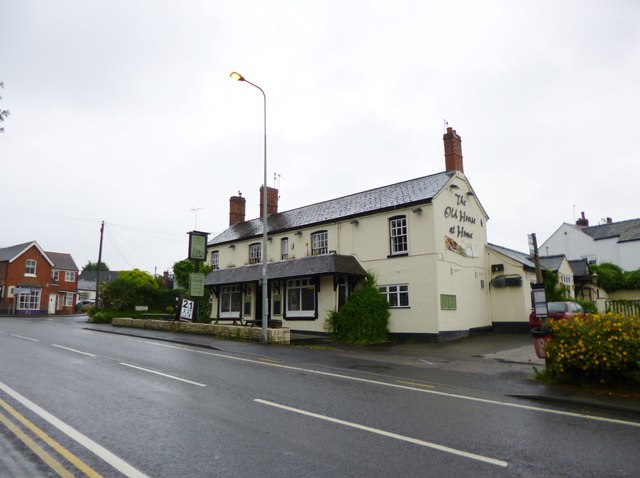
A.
pixel 233 320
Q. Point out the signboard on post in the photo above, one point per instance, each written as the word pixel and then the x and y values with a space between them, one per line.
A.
pixel 186 310
pixel 539 300
pixel 198 245
pixel 196 284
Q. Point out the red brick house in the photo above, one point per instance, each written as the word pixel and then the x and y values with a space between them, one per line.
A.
pixel 35 282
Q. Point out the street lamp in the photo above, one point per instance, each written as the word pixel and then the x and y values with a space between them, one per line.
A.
pixel 238 77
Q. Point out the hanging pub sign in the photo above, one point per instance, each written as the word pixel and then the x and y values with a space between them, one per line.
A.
pixel 196 284
pixel 198 245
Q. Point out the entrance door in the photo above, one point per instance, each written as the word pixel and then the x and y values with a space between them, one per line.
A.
pixel 52 303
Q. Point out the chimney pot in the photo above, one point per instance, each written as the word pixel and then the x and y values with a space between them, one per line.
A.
pixel 583 221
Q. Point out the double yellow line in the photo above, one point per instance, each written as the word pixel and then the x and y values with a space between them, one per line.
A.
pixel 54 464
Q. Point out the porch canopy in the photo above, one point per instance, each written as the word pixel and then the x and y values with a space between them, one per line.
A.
pixel 336 265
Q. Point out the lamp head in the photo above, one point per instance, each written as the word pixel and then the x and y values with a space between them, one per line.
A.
pixel 236 76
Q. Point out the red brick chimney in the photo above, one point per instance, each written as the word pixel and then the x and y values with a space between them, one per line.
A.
pixel 583 221
pixel 452 151
pixel 236 209
pixel 272 201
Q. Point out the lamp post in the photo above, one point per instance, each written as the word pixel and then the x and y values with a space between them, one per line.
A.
pixel 238 77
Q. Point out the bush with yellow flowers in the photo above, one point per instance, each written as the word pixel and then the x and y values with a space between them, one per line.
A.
pixel 595 348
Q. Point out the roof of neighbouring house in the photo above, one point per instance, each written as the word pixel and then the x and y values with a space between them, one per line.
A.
pixel 623 230
pixel 63 261
pixel 552 263
pixel 414 191
pixel 11 252
pixel 91 276
pixel 521 257
pixel 325 264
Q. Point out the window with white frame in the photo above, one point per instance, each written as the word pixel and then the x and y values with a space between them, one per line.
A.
pixel 215 259
pixel 398 242
pixel 566 280
pixel 230 301
pixel 319 243
pixel 397 294
pixel 284 248
pixel 301 298
pixel 55 275
pixel 68 299
pixel 29 301
pixel 69 276
pixel 254 253
pixel 30 269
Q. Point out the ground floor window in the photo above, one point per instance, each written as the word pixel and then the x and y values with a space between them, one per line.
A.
pixel 301 298
pixel 448 302
pixel 397 294
pixel 68 299
pixel 29 301
pixel 230 301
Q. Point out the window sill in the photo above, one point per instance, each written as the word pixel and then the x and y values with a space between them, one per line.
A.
pixel 392 256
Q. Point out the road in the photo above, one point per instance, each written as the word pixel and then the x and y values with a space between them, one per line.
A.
pixel 125 406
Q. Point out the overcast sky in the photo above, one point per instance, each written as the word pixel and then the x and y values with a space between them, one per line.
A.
pixel 123 111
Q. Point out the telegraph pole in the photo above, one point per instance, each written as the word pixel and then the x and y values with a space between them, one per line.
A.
pixel 98 268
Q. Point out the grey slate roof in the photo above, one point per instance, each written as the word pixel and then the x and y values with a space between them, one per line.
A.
pixel 414 191
pixel 580 268
pixel 623 230
pixel 62 261
pixel 551 263
pixel 304 267
pixel 521 257
pixel 8 253
pixel 91 276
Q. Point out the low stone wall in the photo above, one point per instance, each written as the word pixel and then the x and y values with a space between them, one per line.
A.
pixel 236 332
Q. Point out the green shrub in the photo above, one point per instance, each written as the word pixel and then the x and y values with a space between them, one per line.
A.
pixel 588 306
pixel 364 319
pixel 595 348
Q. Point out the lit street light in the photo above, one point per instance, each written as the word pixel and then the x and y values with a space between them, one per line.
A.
pixel 238 77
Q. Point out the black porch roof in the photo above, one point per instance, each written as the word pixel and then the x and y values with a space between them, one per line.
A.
pixel 327 264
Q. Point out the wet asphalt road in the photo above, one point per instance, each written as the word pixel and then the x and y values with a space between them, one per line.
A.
pixel 237 409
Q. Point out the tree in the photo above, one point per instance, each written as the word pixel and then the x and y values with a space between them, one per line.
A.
pixel 182 269
pixel 129 289
pixel 3 113
pixel 93 266
pixel 610 276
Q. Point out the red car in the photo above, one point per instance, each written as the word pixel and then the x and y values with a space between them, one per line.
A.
pixel 557 311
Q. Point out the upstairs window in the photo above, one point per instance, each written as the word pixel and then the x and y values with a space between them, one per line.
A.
pixel 215 259
pixel 284 248
pixel 55 275
pixel 30 269
pixel 254 253
pixel 398 242
pixel 319 243
pixel 69 276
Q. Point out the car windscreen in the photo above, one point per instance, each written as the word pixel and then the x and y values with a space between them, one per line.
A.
pixel 556 307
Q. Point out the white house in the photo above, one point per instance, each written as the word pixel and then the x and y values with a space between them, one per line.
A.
pixel 423 239
pixel 615 242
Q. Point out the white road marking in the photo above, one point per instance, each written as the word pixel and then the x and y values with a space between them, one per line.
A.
pixel 73 350
pixel 377 431
pixel 113 460
pixel 24 338
pixel 431 392
pixel 163 374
